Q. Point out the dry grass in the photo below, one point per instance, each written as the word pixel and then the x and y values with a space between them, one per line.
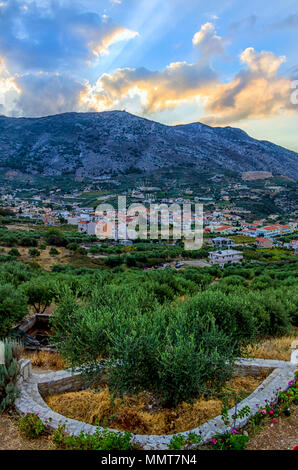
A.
pixel 46 359
pixel 45 260
pixel 273 348
pixel 140 414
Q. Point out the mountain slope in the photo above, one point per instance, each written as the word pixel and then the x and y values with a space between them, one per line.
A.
pixel 96 144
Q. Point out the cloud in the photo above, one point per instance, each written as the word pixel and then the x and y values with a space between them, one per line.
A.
pixel 207 41
pixel 38 94
pixel 46 94
pixel 246 23
pixel 9 89
pixel 157 91
pixel 255 92
pixel 54 37
pixel 289 22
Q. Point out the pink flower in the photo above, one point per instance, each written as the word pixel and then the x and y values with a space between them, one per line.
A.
pixel 271 412
pixel 234 431
pixel 274 420
pixel 214 441
pixel 264 412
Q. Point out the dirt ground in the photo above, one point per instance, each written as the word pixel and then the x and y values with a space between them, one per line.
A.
pixel 282 435
pixel 11 439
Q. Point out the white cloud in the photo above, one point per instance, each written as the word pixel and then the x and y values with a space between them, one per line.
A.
pixel 207 40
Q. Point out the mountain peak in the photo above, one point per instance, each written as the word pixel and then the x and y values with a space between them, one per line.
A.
pixel 95 144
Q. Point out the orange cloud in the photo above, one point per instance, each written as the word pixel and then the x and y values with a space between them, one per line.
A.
pixel 177 83
pixel 256 92
pixel 116 35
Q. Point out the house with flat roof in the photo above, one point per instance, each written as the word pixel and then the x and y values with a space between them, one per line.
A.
pixel 263 243
pixel 221 242
pixel 225 257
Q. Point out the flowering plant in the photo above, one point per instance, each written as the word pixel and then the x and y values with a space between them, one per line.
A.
pixel 288 398
pixel 230 441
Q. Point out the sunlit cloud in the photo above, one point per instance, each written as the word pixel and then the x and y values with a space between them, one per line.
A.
pixel 255 92
pixel 208 41
pixel 117 35
pixel 55 37
pixel 177 83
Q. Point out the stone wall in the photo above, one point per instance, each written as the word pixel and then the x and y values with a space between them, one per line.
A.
pixel 34 386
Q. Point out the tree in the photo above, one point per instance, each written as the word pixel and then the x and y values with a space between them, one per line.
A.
pixel 13 307
pixel 34 252
pixel 40 293
pixel 14 252
pixel 55 237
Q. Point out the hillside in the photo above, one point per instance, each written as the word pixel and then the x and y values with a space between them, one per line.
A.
pixel 116 142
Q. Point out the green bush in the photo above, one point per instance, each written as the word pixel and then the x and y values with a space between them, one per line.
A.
pixel 100 440
pixel 53 251
pixel 181 442
pixel 14 252
pixel 34 252
pixel 31 426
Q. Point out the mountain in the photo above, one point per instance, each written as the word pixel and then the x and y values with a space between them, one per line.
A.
pixel 112 142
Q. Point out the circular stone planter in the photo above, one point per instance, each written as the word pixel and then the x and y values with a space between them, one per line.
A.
pixel 33 386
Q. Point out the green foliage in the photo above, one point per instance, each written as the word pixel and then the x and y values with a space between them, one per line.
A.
pixel 170 350
pixel 287 399
pixel 53 251
pixel 13 307
pixel 34 252
pixel 40 292
pixel 31 426
pixel 14 252
pixel 182 442
pixel 8 375
pixel 230 441
pixel 100 440
pixel 55 237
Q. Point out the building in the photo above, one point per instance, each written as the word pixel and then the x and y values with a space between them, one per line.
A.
pixel 221 242
pixel 87 227
pixel 225 257
pixel 274 230
pixel 263 243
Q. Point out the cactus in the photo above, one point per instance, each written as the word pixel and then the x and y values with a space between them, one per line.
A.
pixel 8 375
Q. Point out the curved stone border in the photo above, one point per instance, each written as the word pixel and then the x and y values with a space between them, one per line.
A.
pixel 31 401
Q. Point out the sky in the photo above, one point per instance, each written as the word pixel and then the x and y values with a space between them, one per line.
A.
pixel 223 63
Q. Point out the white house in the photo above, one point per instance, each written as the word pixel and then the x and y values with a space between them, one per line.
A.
pixel 225 257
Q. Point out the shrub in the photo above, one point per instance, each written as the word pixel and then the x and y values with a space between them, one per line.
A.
pixel 31 426
pixel 34 252
pixel 181 442
pixel 55 237
pixel 53 251
pixel 100 440
pixel 230 441
pixel 14 252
